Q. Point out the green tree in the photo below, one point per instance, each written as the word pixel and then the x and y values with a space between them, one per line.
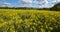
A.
pixel 56 7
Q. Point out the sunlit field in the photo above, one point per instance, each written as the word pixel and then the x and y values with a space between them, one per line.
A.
pixel 12 20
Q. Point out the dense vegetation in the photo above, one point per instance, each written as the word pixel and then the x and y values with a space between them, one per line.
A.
pixel 29 21
pixel 56 7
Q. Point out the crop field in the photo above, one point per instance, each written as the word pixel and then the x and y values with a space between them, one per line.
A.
pixel 12 20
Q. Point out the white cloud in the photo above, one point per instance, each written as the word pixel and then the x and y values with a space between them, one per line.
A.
pixel 30 3
pixel 41 2
pixel 6 4
pixel 58 0
pixel 27 1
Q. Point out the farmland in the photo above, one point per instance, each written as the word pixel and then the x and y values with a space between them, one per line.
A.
pixel 12 20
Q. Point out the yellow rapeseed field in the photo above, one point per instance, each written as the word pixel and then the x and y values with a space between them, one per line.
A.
pixel 13 20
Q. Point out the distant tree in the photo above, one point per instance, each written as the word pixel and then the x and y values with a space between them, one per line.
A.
pixel 56 7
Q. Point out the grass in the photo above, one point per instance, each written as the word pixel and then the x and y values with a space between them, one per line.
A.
pixel 12 20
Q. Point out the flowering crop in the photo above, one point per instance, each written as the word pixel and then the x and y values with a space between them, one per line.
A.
pixel 29 21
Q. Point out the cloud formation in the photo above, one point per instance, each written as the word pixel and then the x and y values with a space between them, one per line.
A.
pixel 27 1
pixel 40 3
pixel 31 3
pixel 5 4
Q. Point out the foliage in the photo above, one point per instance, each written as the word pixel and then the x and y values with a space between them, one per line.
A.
pixel 56 7
pixel 29 21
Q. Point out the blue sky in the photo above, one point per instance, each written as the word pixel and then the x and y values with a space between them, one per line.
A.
pixel 29 3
